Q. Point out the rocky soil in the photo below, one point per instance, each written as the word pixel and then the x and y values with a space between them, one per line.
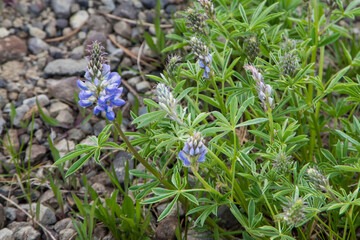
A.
pixel 42 49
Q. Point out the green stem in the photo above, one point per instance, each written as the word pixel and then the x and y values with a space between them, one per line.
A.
pixel 271 123
pixel 233 165
pixel 328 227
pixel 206 185
pixel 141 159
pixel 218 96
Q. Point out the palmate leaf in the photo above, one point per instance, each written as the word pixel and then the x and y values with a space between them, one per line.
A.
pixel 168 208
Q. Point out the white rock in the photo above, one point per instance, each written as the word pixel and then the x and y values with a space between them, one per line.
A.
pixel 4 32
pixel 78 19
pixel 6 234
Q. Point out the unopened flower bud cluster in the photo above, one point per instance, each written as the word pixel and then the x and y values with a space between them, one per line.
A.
pixel 201 51
pixel 264 90
pixel 196 21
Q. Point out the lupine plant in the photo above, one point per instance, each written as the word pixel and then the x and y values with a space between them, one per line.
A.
pixel 259 114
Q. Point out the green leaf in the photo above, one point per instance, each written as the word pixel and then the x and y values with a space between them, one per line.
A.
pixel 328 40
pixel 344 135
pixel 51 121
pixel 190 197
pixel 159 198
pixel 252 122
pixel 199 118
pixel 328 156
pixel 79 163
pixel 74 154
pixel 347 168
pixel 147 118
pixel 162 191
pixel 168 208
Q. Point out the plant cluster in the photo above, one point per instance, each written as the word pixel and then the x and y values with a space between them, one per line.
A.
pixel 260 115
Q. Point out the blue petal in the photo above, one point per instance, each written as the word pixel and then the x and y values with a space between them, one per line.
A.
pixel 114 77
pixel 106 69
pixel 81 85
pixel 85 94
pixel 102 100
pixel 118 102
pixel 192 152
pixel 201 158
pixel 98 109
pixel 96 81
pixel 186 148
pixel 87 76
pixel 183 158
pixel 110 115
pixel 84 103
pixel 201 64
pixel 205 74
pixel 112 87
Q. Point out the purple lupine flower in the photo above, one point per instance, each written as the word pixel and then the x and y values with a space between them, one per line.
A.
pixel 264 90
pixel 202 53
pixel 194 150
pixel 205 64
pixel 101 87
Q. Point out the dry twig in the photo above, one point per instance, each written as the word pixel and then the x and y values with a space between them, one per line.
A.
pixel 65 36
pixel 133 21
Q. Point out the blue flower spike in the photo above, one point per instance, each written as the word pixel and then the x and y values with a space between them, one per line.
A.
pixel 101 86
pixel 194 150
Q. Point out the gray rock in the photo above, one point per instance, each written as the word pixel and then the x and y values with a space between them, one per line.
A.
pixel 113 51
pixel 13 139
pixel 2 123
pixel 120 161
pixel 46 215
pixel 36 126
pixel 42 99
pixel 61 7
pixel 66 93
pixel 143 111
pixel 99 24
pixel 64 146
pixel 36 45
pixel 149 3
pixel 99 188
pixel 134 80
pixel 227 218
pixel 194 235
pixel 65 118
pixel 50 28
pixel 56 52
pixel 62 23
pixel 4 32
pixel 123 29
pixel 37 153
pixel 126 10
pixel 66 67
pixel 99 126
pixel 96 36
pixel 170 9
pixel 143 86
pixel 166 228
pixel 20 113
pixel 108 5
pixel 128 74
pixel 86 128
pixel 2 215
pixel 63 224
pixel 66 234
pixel 78 19
pixel 28 233
pixel 76 134
pixel 12 48
pixel 56 107
pixel 10 213
pixel 37 33
pixel 6 234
